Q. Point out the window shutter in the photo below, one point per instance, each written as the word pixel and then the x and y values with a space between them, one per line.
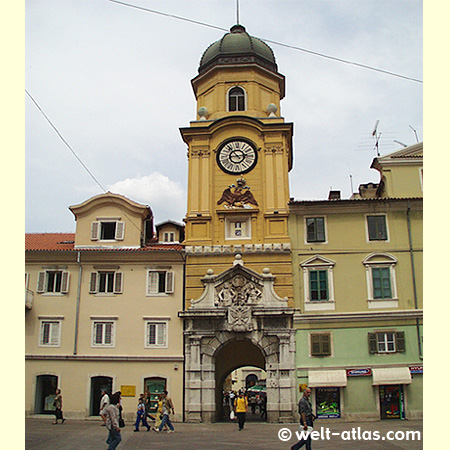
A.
pixel 326 344
pixel 118 278
pixel 94 231
pixel 108 333
pixel 120 231
pixel 161 328
pixel 400 341
pixel 65 282
pixel 372 343
pixel 93 283
pixel 153 279
pixel 41 282
pixel 315 345
pixel 98 333
pixel 170 276
pixel 54 335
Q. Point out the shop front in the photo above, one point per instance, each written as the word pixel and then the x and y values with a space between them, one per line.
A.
pixel 391 395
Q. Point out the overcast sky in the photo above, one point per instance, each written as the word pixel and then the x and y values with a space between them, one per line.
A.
pixel 115 82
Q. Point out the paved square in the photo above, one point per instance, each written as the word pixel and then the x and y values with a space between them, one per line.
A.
pixel 40 434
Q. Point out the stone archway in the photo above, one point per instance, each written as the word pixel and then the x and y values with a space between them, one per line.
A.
pixel 238 310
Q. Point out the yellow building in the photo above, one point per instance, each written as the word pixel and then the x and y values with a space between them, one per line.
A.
pixel 238 262
pixel 358 267
pixel 101 310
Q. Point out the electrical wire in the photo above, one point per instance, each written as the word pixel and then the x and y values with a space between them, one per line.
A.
pixel 293 47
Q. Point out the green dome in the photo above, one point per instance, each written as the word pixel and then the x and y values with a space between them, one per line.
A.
pixel 238 47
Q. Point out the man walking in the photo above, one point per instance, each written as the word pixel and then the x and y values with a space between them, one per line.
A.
pixel 167 407
pixel 306 419
pixel 104 403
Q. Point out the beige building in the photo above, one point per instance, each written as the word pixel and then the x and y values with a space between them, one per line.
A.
pixel 101 310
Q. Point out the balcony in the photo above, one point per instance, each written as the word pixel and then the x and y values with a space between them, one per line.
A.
pixel 29 295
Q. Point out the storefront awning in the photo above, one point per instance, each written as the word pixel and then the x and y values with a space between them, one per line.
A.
pixel 327 378
pixel 391 375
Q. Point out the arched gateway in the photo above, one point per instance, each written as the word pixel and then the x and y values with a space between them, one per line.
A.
pixel 238 320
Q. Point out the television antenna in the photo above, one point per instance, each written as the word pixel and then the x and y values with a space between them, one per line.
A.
pixel 415 133
pixel 377 137
pixel 237 12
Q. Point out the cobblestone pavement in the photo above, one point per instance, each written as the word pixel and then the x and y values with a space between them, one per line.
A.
pixel 40 434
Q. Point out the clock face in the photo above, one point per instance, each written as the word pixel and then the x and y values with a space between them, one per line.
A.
pixel 236 157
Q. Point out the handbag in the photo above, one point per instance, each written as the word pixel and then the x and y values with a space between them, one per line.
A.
pixel 232 416
pixel 121 423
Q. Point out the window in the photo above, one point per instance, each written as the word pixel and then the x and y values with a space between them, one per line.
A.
pixel 381 284
pixel 320 344
pixel 381 278
pixel 53 281
pixel 318 285
pixel 156 334
pixel 103 334
pixel 160 282
pixel 169 236
pixel 50 333
pixel 377 229
pixel 108 230
pixel 237 228
pixel 387 342
pixel 106 282
pixel 315 229
pixel 236 99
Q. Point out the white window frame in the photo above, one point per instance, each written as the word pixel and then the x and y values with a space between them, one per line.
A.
pixel 55 324
pixel 96 230
pixel 245 99
pixel 94 282
pixel 366 224
pixel 152 282
pixel 230 226
pixel 159 324
pixel 315 263
pixel 386 341
pixel 104 322
pixel 169 237
pixel 381 260
pixel 325 226
pixel 42 282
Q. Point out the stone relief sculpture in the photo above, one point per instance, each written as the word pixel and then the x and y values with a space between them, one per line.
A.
pixel 238 195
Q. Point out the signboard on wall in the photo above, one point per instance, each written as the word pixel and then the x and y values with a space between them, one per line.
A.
pixel 128 391
pixel 366 372
pixel 416 369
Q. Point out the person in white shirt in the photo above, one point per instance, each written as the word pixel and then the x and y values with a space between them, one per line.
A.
pixel 112 422
pixel 104 403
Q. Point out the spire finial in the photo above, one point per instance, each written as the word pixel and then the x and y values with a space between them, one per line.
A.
pixel 237 12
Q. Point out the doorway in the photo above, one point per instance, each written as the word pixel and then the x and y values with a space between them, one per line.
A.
pixel 392 404
pixel 97 385
pixel 46 386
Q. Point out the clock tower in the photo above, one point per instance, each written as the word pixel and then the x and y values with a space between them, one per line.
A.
pixel 239 296
pixel 240 153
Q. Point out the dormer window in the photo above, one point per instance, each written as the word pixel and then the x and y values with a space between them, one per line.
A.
pixel 236 99
pixel 107 230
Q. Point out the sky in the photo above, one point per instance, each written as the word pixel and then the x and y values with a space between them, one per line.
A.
pixel 114 80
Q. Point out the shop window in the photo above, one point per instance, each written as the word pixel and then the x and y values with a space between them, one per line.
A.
pixel 315 229
pixel 392 403
pixel 153 388
pixel 377 228
pixel 387 342
pixel 236 99
pixel 320 344
pixel 328 403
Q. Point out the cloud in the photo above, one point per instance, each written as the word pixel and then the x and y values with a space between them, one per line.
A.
pixel 164 196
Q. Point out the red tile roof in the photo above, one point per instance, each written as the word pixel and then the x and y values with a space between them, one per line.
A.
pixel 66 242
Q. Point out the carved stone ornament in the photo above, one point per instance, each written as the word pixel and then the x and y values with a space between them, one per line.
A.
pixel 237 196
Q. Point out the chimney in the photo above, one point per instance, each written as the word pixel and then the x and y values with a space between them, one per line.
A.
pixel 334 195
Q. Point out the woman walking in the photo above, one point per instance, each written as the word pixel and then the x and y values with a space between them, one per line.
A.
pixel 241 409
pixel 58 407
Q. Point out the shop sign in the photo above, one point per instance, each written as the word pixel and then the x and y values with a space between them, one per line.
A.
pixel 128 390
pixel 359 372
pixel 416 369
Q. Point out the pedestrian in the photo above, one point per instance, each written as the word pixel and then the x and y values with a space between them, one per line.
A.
pixel 104 402
pixel 231 397
pixel 167 407
pixel 263 407
pixel 306 419
pixel 141 415
pixel 241 409
pixel 112 422
pixel 159 413
pixel 57 403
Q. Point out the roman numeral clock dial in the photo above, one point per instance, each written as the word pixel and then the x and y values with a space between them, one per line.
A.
pixel 237 156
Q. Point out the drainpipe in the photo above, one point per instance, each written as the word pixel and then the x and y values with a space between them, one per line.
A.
pixel 77 313
pixel 413 271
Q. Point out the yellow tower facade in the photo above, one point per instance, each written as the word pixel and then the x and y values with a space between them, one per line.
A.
pixel 240 154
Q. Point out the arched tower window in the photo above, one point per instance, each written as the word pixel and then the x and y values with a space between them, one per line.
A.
pixel 236 99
